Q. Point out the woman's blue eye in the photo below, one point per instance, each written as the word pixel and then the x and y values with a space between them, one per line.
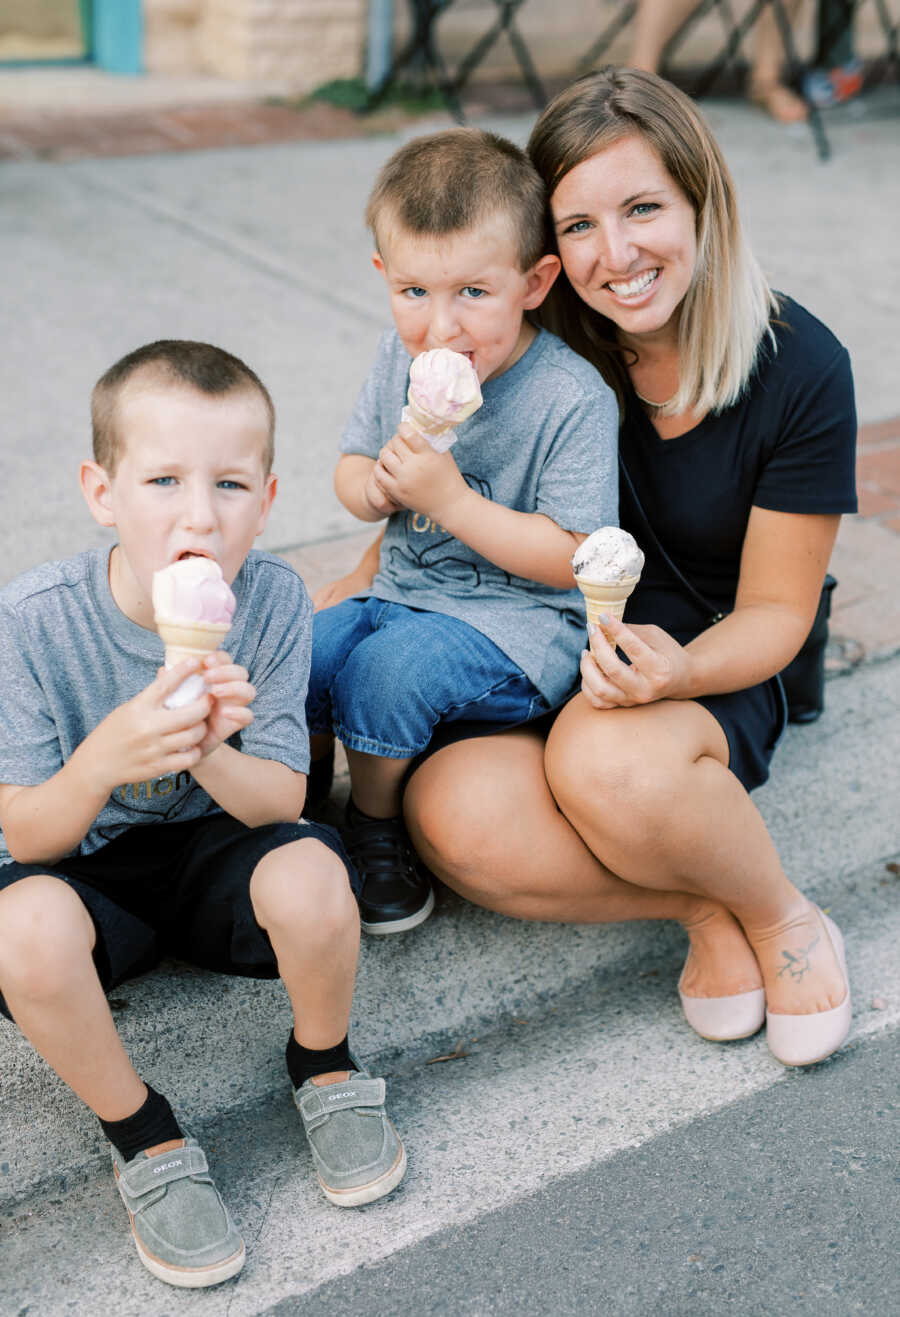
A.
pixel 474 293
pixel 580 226
pixel 644 208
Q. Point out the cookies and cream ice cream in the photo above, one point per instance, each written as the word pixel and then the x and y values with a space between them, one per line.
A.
pixel 443 391
pixel 607 567
pixel 192 606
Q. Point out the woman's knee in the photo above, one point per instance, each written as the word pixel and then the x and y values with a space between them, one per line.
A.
pixel 45 933
pixel 304 884
pixel 607 764
pixel 465 806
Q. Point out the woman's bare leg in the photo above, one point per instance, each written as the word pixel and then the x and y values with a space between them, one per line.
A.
pixel 482 817
pixel 649 791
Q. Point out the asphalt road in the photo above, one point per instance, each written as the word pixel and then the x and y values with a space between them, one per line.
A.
pixel 784 1203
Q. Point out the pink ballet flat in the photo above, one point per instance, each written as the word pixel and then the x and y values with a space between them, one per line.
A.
pixel 805 1039
pixel 724 1019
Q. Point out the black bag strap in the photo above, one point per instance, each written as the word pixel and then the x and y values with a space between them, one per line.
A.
pixel 650 537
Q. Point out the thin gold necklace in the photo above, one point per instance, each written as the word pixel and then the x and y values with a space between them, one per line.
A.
pixel 651 403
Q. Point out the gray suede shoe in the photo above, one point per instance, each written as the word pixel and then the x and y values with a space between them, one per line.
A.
pixel 181 1227
pixel 355 1147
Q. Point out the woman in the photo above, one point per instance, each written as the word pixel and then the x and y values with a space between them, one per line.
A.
pixel 737 434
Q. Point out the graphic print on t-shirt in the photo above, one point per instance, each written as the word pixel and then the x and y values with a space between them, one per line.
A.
pixel 427 543
pixel 160 799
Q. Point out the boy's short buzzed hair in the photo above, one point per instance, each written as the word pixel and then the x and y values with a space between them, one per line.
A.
pixel 173 361
pixel 451 181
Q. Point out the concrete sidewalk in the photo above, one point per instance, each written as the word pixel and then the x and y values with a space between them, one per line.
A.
pixel 263 249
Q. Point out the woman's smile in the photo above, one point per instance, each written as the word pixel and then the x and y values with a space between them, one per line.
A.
pixel 635 287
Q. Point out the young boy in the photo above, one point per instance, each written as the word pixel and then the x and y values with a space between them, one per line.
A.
pixel 473 614
pixel 132 831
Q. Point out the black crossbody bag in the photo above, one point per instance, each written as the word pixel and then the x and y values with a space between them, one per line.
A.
pixel 804 677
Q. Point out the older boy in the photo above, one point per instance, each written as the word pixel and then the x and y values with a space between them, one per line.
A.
pixel 131 830
pixel 473 613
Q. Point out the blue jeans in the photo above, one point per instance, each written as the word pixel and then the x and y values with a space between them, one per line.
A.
pixel 383 675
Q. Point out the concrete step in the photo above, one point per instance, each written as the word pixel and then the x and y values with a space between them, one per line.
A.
pixel 215 1044
pixel 584 1075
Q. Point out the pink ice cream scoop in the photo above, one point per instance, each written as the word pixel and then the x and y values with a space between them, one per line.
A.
pixel 192 606
pixel 443 391
pixel 192 590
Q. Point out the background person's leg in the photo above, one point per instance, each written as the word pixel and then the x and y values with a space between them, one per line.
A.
pixel 654 23
pixel 838 74
pixel 767 87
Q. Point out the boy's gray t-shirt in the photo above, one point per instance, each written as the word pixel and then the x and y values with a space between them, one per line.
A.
pixel 69 656
pixel 543 441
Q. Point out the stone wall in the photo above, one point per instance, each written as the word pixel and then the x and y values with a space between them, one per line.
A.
pixel 299 42
pixel 171 35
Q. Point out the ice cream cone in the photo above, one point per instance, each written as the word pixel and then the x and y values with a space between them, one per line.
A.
pixel 443 392
pixel 609 597
pixel 184 640
pixel 192 607
pixel 435 429
pixel 187 640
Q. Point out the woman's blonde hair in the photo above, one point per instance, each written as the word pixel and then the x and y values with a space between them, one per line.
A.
pixel 727 308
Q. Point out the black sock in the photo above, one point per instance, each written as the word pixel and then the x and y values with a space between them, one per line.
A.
pixel 151 1124
pixel 319 779
pixel 304 1062
pixel 356 816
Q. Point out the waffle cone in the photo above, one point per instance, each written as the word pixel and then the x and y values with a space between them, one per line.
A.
pixel 433 428
pixel 608 597
pixel 185 640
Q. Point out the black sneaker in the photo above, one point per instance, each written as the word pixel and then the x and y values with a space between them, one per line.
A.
pixel 396 892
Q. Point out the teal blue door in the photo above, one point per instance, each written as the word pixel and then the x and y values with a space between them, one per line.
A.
pixel 117 35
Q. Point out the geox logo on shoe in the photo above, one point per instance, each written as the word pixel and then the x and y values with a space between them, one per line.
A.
pixel 333 1097
pixel 167 1166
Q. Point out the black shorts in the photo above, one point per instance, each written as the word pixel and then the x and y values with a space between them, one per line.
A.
pixel 178 889
pixel 753 721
